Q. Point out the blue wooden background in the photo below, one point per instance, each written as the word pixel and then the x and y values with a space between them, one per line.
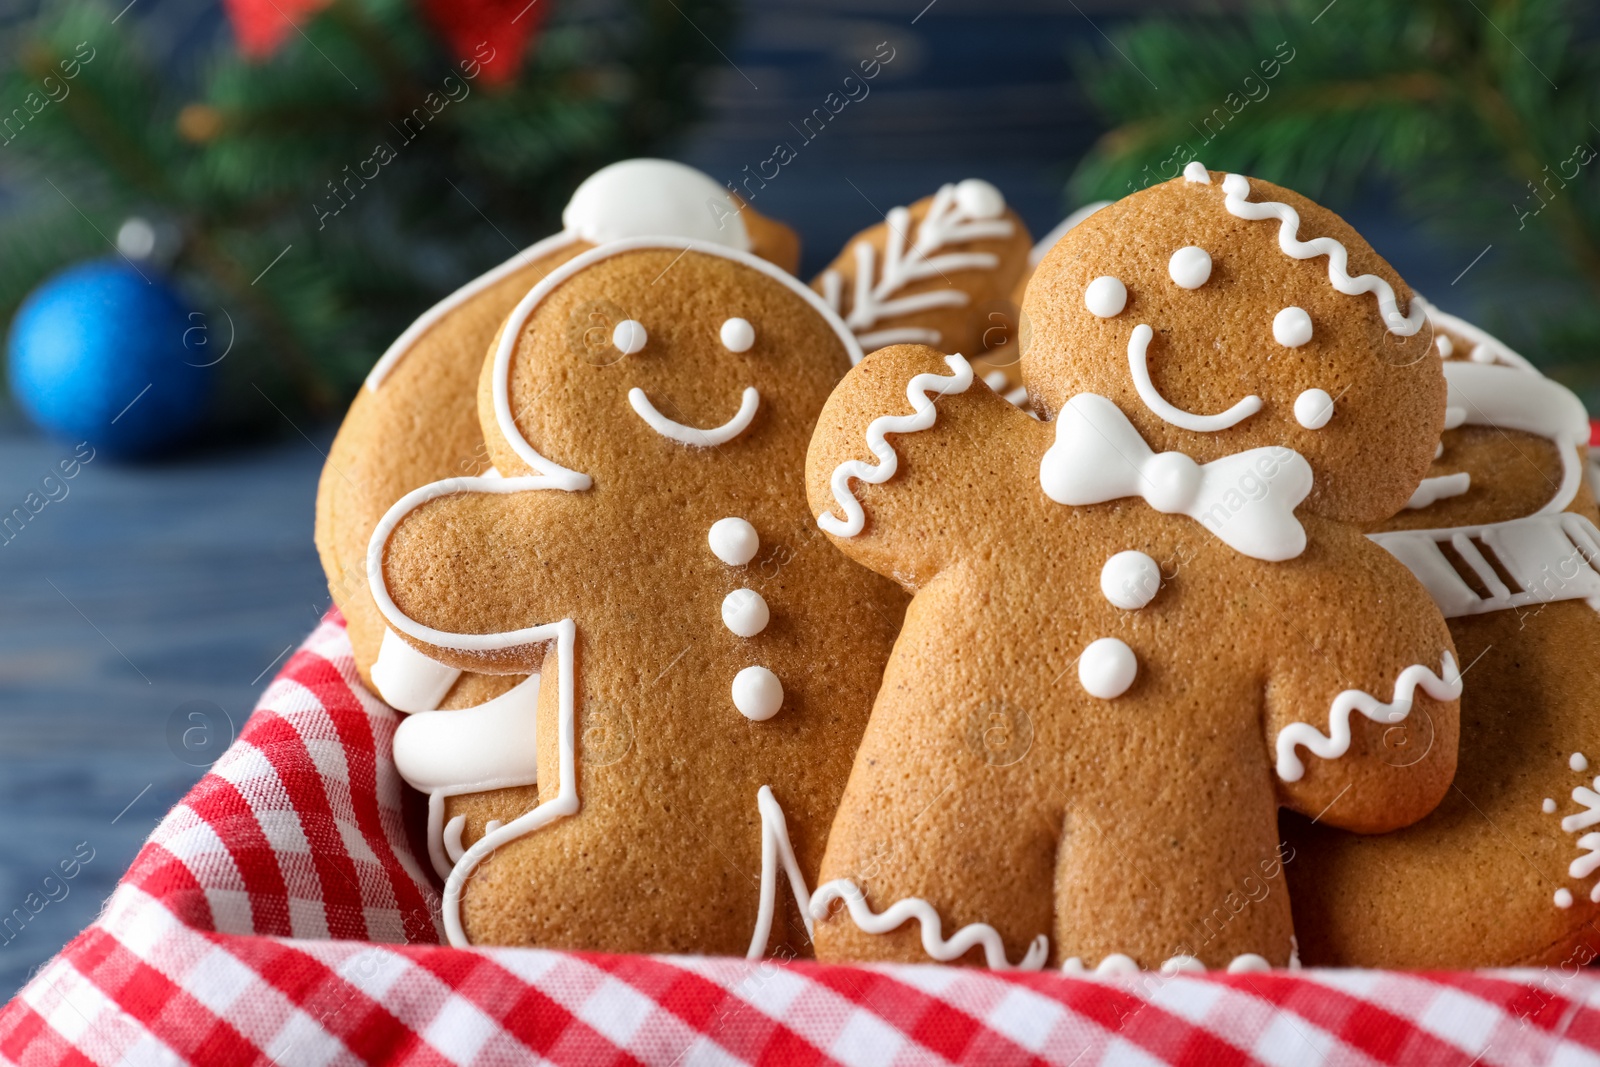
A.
pixel 151 595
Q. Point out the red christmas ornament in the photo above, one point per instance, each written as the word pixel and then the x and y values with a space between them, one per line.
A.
pixel 494 33
pixel 262 25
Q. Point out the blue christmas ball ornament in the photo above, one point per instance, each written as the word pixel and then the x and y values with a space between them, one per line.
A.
pixel 103 352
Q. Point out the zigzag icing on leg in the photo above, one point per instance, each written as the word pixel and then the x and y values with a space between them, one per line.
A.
pixel 933 943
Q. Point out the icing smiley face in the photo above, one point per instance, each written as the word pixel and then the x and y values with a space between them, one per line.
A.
pixel 674 381
pixel 1251 299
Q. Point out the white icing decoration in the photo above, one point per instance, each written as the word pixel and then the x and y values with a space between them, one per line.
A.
pixel 629 337
pixel 406 679
pixel 734 541
pixel 1578 762
pixel 468 750
pixel 757 693
pixel 429 319
pixel 776 851
pixel 1454 416
pixel 1195 171
pixel 933 942
pixel 1105 297
pixel 1291 327
pixel 1584 866
pixel 492 825
pixel 1563 898
pixel 1550 557
pixel 1190 267
pixel 1549 806
pixel 737 335
pixel 1590 815
pixel 654 198
pixel 950 220
pixel 1138 366
pixel 977 199
pixel 1107 668
pixel 1043 246
pixel 1098 456
pixel 1443 686
pixel 1438 450
pixel 920 391
pixel 451 838
pixel 693 435
pixel 1313 409
pixel 1120 965
pixel 745 612
pixel 1237 189
pixel 1440 487
pixel 1447 347
pixel 1130 579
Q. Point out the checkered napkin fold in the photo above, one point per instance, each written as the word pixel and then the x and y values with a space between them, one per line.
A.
pixel 280 914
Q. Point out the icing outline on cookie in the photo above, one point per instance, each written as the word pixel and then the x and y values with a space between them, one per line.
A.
pixel 920 391
pixel 1236 192
pixel 1139 367
pixel 1336 742
pixel 933 941
pixel 691 435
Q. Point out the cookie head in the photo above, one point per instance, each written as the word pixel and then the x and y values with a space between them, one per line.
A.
pixel 1222 313
pixel 642 357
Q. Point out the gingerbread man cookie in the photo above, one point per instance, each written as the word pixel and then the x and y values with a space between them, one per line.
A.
pixel 707 661
pixel 1503 535
pixel 940 272
pixel 416 421
pixel 1143 626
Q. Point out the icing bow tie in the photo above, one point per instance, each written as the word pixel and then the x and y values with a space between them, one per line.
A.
pixel 1246 499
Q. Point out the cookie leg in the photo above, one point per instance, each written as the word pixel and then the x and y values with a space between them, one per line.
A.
pixel 905 848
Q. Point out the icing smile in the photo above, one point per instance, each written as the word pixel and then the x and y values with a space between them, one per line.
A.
pixel 690 435
pixel 1138 366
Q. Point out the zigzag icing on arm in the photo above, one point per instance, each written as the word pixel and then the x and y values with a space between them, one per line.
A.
pixel 933 943
pixel 1337 741
pixel 1236 190
pixel 920 391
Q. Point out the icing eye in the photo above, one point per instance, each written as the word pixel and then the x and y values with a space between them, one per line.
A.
pixel 738 335
pixel 1190 267
pixel 1107 668
pixel 1291 327
pixel 629 337
pixel 1105 297
pixel 1313 408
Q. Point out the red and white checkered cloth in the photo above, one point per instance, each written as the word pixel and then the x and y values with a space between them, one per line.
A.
pixel 280 915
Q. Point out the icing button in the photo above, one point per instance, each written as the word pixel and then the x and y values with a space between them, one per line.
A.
pixel 1130 580
pixel 733 541
pixel 757 693
pixel 745 612
pixel 1107 668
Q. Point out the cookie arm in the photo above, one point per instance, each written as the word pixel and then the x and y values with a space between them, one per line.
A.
pixel 914 460
pixel 1363 701
pixel 473 572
